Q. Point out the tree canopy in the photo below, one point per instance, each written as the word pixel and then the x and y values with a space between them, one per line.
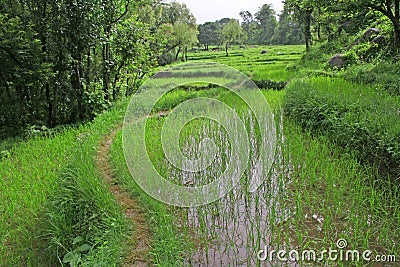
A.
pixel 232 32
pixel 66 61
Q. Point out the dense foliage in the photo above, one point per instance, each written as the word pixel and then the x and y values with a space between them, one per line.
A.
pixel 66 61
pixel 257 29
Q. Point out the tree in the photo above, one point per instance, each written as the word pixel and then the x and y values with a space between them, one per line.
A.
pixel 114 12
pixel 232 32
pixel 303 11
pixel 185 35
pixel 22 72
pixel 184 27
pixel 208 34
pixel 288 30
pixel 249 26
pixel 63 61
pixel 389 8
pixel 267 23
pixel 177 12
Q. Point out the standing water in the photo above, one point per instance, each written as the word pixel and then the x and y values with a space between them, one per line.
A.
pixel 233 230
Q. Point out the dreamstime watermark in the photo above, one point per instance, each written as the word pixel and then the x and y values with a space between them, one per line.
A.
pixel 142 106
pixel 340 253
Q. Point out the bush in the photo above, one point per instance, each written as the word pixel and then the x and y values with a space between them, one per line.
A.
pixel 356 117
pixel 269 84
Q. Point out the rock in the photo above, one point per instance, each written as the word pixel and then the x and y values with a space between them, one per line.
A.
pixel 215 49
pixel 369 33
pixel 380 40
pixel 264 52
pixel 337 61
pixel 242 46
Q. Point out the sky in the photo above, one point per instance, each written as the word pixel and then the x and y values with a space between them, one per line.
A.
pixel 212 10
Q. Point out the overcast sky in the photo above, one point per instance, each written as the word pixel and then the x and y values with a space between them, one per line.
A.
pixel 212 10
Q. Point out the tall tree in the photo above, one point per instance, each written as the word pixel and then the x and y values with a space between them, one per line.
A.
pixel 184 36
pixel 184 27
pixel 232 32
pixel 249 26
pixel 208 34
pixel 63 61
pixel 288 30
pixel 266 20
pixel 303 10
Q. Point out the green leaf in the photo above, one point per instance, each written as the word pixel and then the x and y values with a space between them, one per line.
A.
pixel 83 248
pixel 77 240
pixel 71 257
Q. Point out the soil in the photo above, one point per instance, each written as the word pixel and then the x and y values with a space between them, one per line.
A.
pixel 140 237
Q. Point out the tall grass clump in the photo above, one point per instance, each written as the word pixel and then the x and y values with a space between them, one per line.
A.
pixel 53 205
pixel 84 225
pixel 357 117
pixel 28 177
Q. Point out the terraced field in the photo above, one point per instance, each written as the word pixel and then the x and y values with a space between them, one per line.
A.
pixel 296 188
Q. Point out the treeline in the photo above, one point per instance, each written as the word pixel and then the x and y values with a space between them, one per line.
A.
pixel 65 61
pixel 326 20
pixel 260 28
pixel 305 21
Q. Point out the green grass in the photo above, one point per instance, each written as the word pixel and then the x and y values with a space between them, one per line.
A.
pixel 321 181
pixel 169 242
pixel 271 66
pixel 28 177
pixel 49 181
pixel 360 118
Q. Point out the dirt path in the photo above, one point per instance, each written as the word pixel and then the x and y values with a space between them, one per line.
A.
pixel 140 238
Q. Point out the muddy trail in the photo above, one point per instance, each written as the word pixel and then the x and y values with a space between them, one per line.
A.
pixel 139 244
pixel 140 237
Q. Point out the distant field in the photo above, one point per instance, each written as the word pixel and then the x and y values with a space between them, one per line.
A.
pixel 269 66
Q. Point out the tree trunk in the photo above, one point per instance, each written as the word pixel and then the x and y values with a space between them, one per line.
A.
pixel 186 54
pixel 226 48
pixel 53 102
pixel 127 91
pixel 397 24
pixel 77 86
pixel 397 38
pixel 106 71
pixel 88 67
pixel 49 107
pixel 177 53
pixel 307 28
pixel 43 40
pixel 319 31
pixel 394 18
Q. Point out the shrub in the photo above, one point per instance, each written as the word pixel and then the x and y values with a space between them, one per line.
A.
pixel 269 84
pixel 356 117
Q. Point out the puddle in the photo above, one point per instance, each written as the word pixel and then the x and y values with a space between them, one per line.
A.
pixel 231 231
